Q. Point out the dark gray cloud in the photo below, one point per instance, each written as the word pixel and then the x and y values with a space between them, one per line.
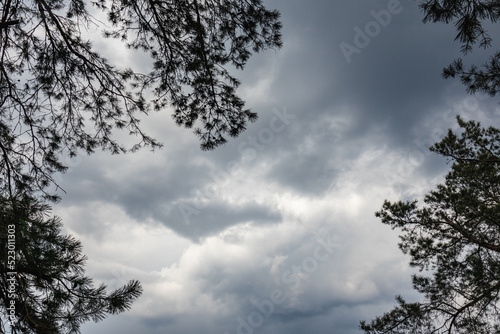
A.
pixel 197 220
pixel 393 83
pixel 185 198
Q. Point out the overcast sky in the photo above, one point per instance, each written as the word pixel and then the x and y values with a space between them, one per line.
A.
pixel 275 232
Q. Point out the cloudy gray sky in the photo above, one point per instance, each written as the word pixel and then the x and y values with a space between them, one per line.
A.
pixel 275 232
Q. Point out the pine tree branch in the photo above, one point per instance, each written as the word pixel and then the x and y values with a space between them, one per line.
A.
pixel 468 236
pixel 6 24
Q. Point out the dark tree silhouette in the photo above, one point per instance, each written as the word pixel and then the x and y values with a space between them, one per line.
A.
pixel 470 18
pixel 43 287
pixel 57 92
pixel 455 238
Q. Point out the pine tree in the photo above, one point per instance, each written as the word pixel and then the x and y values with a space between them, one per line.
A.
pixel 43 287
pixel 455 240
pixel 470 18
